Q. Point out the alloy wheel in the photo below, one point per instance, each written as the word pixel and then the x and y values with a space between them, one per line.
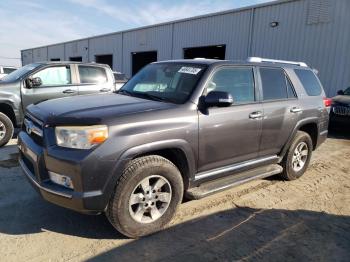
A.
pixel 150 199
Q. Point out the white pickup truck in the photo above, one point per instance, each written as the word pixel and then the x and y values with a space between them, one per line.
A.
pixel 5 70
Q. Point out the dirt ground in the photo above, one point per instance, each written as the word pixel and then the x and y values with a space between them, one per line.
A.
pixel 268 220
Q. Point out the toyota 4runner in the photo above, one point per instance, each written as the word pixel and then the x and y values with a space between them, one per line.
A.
pixel 185 127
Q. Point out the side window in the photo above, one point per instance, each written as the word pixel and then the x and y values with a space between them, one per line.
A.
pixel 239 82
pixel 275 84
pixel 309 80
pixel 92 75
pixel 54 76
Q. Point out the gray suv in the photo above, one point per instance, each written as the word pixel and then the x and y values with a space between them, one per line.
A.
pixel 38 82
pixel 185 127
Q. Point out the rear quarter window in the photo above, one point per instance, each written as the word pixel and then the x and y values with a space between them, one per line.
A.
pixel 310 82
pixel 92 75
pixel 8 70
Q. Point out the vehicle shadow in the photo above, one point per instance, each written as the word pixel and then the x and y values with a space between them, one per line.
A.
pixel 30 214
pixel 245 234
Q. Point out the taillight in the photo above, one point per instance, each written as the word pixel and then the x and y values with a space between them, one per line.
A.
pixel 327 102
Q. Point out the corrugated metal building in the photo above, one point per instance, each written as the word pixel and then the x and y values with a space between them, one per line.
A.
pixel 314 31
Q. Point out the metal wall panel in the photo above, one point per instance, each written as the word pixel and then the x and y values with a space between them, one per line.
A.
pixel 322 45
pixel 56 51
pixel 27 56
pixel 40 54
pixel 319 36
pixel 77 48
pixel 229 29
pixel 105 45
pixel 158 38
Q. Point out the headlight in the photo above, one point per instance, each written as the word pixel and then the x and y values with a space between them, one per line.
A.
pixel 81 137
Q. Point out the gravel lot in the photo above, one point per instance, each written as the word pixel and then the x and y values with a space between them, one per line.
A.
pixel 270 220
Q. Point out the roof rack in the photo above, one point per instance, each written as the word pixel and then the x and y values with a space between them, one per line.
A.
pixel 260 60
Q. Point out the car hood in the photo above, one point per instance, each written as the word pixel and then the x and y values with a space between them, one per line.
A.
pixel 8 86
pixel 91 109
pixel 342 99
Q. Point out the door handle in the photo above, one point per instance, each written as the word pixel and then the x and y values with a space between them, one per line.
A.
pixel 69 91
pixel 295 110
pixel 256 115
pixel 105 90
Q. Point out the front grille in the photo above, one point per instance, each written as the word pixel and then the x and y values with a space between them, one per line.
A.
pixel 341 110
pixel 34 128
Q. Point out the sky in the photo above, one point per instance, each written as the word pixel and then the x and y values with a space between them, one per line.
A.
pixel 26 24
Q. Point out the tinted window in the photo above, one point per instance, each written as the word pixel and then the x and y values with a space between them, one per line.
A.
pixel 54 76
pixel 120 77
pixel 8 70
pixel 310 82
pixel 273 83
pixel 92 75
pixel 239 82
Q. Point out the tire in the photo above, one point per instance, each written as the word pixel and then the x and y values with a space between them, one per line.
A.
pixel 292 170
pixel 124 217
pixel 6 129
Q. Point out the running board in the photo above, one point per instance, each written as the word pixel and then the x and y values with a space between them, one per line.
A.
pixel 221 184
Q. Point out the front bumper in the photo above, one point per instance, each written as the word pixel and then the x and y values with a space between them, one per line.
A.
pixel 36 161
pixel 339 122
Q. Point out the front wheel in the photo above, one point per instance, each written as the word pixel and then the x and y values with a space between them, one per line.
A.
pixel 146 196
pixel 297 159
pixel 6 129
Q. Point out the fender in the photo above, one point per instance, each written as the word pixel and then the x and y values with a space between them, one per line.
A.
pixel 130 153
pixel 309 120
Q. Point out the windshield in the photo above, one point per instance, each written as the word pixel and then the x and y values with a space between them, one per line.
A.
pixel 15 75
pixel 168 82
pixel 347 91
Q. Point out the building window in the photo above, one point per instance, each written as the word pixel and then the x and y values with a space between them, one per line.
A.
pixel 210 52
pixel 76 59
pixel 104 59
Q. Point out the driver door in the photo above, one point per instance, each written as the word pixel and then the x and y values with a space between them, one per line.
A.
pixel 230 135
pixel 56 82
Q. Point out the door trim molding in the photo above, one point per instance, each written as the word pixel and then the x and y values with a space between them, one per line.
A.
pixel 234 167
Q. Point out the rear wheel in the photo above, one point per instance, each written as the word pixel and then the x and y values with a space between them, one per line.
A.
pixel 146 196
pixel 297 159
pixel 6 129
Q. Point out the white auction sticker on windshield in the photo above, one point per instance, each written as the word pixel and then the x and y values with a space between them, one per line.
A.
pixel 190 70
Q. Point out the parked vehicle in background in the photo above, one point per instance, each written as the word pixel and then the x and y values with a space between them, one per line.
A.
pixel 340 111
pixel 120 80
pixel 192 127
pixel 38 82
pixel 5 70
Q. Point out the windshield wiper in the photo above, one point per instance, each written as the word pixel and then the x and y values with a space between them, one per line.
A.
pixel 124 92
pixel 156 98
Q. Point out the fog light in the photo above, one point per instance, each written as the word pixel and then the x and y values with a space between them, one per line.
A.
pixel 61 180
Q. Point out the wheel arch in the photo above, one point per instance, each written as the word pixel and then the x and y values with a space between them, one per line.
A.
pixel 175 150
pixel 308 125
pixel 7 110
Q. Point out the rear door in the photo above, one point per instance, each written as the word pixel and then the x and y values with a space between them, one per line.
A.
pixel 93 79
pixel 229 135
pixel 281 108
pixel 56 82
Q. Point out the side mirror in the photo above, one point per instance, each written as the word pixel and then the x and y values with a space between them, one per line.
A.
pixel 218 99
pixel 36 81
pixel 340 92
pixel 33 82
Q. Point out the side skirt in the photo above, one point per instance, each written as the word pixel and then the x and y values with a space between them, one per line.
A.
pixel 220 184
